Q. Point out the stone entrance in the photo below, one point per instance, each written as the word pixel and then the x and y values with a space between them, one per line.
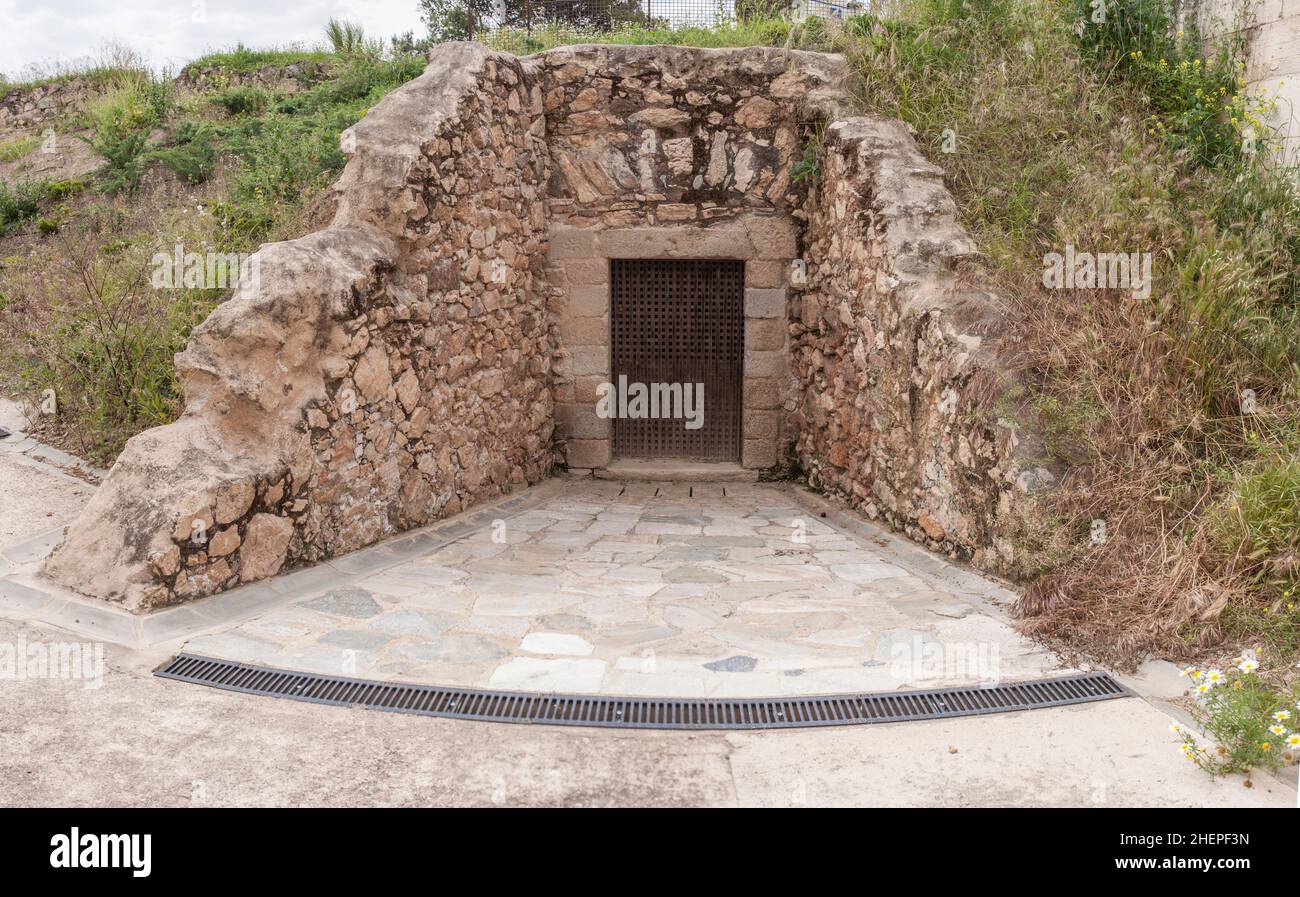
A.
pixel 445 339
pixel 677 352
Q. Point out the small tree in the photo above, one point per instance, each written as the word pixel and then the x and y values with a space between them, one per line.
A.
pixel 452 19
pixel 409 45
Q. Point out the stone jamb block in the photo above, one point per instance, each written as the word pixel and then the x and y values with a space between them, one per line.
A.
pixel 587 453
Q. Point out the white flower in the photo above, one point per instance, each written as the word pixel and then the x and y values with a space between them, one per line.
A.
pixel 1203 688
pixel 1277 730
pixel 1293 740
pixel 1214 677
pixel 1190 672
pixel 1282 716
pixel 1248 665
pixel 1175 728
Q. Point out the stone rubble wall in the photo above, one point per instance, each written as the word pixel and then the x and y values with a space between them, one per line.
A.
pixel 285 78
pixel 891 345
pixel 385 371
pixel 677 152
pixel 670 135
pixel 29 110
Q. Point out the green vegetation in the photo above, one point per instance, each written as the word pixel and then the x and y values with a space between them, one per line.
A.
pixel 244 100
pixel 348 40
pixel 120 122
pixel 84 319
pixel 242 59
pixel 1250 720
pixel 112 67
pixel 1256 527
pixel 91 329
pixel 19 203
pixel 16 147
pixel 749 32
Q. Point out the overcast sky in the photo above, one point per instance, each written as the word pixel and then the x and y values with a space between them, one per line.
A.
pixel 172 32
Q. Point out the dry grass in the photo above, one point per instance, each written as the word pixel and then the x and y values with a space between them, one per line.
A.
pixel 1136 400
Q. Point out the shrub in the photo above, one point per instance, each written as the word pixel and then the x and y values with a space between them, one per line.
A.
pixel 244 100
pixel 19 203
pixel 1198 102
pixel 193 153
pixel 91 328
pixel 120 122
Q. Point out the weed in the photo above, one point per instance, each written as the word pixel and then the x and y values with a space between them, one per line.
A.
pixel 1250 721
pixel 242 59
pixel 244 100
pixel 16 147
pixel 192 154
pixel 19 203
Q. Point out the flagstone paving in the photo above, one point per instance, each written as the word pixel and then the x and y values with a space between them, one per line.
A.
pixel 653 589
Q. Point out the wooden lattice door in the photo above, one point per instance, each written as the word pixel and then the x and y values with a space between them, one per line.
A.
pixel 679 323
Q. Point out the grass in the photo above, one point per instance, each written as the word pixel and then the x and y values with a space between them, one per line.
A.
pixel 19 203
pixel 80 316
pixel 1255 528
pixel 112 66
pixel 243 59
pixel 16 148
pixel 755 31
pixel 91 330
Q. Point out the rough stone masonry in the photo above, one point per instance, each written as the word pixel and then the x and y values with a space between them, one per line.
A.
pixel 439 343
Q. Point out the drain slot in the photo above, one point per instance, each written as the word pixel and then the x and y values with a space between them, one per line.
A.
pixel 640 713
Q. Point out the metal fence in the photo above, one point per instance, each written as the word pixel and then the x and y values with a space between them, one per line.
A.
pixel 526 26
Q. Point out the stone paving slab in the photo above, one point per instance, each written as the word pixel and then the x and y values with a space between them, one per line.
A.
pixel 27 595
pixel 682 589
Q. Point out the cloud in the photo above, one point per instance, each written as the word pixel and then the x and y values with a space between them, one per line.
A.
pixel 170 33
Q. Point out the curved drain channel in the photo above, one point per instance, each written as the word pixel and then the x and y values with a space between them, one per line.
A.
pixel 641 713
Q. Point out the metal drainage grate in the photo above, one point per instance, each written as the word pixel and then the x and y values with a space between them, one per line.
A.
pixel 641 713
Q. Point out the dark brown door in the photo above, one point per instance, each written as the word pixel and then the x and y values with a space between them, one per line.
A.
pixel 677 326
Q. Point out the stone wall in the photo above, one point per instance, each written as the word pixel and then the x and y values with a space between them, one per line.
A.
pixel 442 340
pixel 1270 30
pixel 388 370
pixel 284 78
pixel 29 110
pixel 891 345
